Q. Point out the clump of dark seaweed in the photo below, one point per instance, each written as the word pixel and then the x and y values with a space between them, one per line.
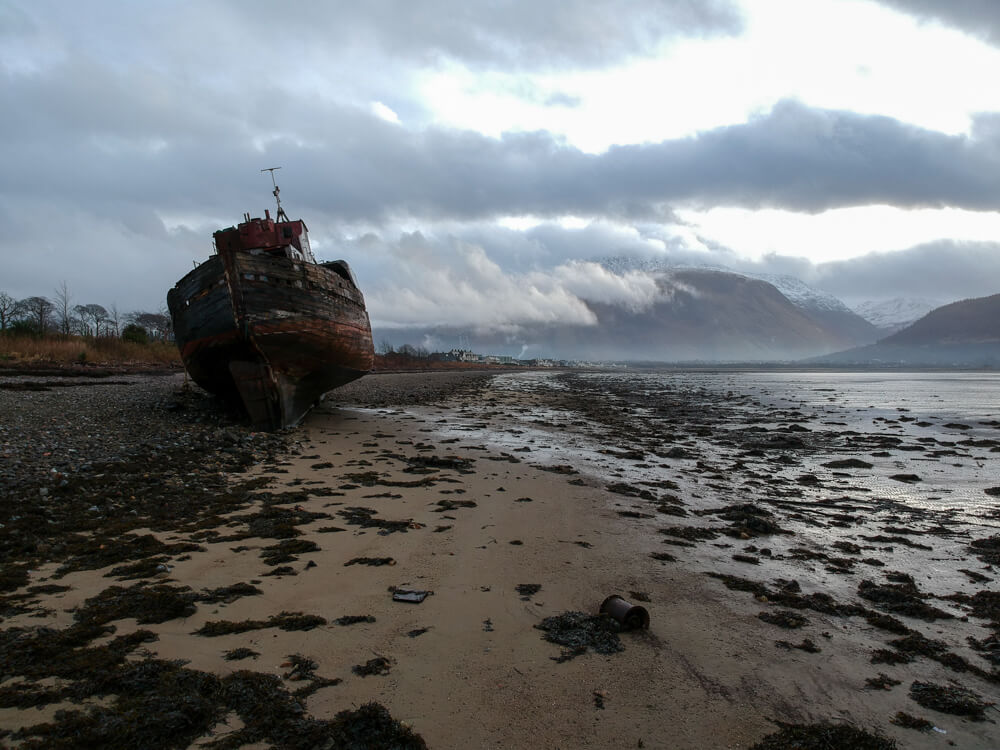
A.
pixel 240 653
pixel 886 622
pixel 903 719
pixel 690 533
pixel 271 714
pixel 528 590
pixel 983 604
pixel 823 736
pixel 365 518
pixel 228 594
pixel 888 656
pixel 370 561
pixel 284 621
pixel 787 595
pixel 807 645
pixel 848 463
pixel 287 550
pixel 273 523
pixel 748 520
pixel 447 505
pixel 882 682
pixel 304 668
pixel 90 553
pixel 158 704
pixel 148 568
pixel 353 619
pixel 900 598
pixel 146 603
pixel 455 463
pixel 949 699
pixel 988 648
pixel 784 619
pixel 376 666
pixel 579 631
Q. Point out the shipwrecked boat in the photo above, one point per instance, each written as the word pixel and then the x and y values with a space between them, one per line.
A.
pixel 262 324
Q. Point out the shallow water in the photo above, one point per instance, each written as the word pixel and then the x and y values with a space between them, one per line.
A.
pixel 716 439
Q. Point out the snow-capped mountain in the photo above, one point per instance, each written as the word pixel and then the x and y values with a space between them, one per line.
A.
pixel 893 315
pixel 822 307
pixel 799 293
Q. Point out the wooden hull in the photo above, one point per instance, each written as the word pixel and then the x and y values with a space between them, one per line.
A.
pixel 271 333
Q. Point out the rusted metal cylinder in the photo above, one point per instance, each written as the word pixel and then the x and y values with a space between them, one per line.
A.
pixel 629 616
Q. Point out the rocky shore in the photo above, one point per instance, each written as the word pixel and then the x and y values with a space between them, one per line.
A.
pixel 423 561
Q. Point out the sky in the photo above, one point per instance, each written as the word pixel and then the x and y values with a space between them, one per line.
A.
pixel 472 161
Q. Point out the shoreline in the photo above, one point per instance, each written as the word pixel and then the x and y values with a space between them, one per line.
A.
pixel 408 452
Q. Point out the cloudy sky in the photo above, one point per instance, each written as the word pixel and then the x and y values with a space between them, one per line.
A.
pixel 470 158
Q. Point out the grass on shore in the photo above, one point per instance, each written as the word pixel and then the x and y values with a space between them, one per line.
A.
pixel 85 350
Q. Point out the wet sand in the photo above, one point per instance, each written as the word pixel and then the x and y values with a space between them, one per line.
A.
pixel 474 487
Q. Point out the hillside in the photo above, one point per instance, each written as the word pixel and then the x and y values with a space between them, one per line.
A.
pixel 702 315
pixel 965 333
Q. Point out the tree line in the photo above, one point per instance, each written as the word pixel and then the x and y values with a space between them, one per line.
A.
pixel 42 316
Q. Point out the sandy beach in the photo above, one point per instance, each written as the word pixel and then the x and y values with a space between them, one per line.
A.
pixel 507 500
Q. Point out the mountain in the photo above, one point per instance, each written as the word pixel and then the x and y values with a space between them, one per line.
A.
pixel 965 333
pixel 891 315
pixel 825 309
pixel 701 315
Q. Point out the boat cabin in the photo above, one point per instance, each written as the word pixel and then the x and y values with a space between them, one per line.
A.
pixel 288 239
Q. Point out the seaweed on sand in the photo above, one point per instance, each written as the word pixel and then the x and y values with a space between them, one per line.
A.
pixel 787 595
pixel 370 561
pixel 784 619
pixel 147 604
pixel 579 631
pixel 949 699
pixel 98 551
pixel 158 704
pixel 377 666
pixel 354 619
pixel 882 682
pixel 901 598
pixel 365 518
pixel 284 621
pixel 823 736
pixel 271 714
pixel 304 669
pixel 528 590
pixel 228 594
pixel 903 719
pixel 286 550
pixel 747 520
pixel 240 653
pixel 273 523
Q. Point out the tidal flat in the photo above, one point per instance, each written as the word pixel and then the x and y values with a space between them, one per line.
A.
pixel 818 553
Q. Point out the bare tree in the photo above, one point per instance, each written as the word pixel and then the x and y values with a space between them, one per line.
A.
pixel 37 310
pixel 92 315
pixel 115 320
pixel 82 324
pixel 63 309
pixel 7 306
pixel 157 325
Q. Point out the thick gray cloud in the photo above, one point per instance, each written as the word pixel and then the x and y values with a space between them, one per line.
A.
pixel 943 270
pixel 977 17
pixel 125 143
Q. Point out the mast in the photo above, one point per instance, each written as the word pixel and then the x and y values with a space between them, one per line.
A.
pixel 281 215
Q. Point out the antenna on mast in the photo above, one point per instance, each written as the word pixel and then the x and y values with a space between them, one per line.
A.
pixel 281 216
